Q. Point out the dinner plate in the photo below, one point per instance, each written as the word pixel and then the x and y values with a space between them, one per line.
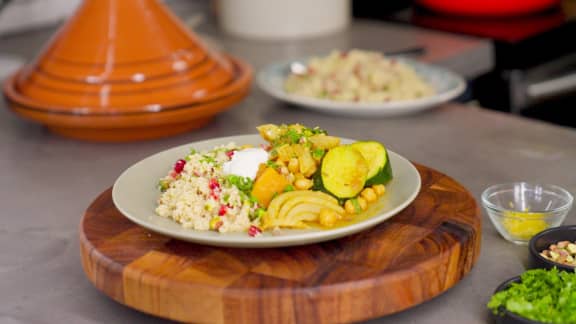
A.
pixel 448 85
pixel 135 194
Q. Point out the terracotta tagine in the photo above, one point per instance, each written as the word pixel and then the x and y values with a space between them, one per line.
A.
pixel 126 70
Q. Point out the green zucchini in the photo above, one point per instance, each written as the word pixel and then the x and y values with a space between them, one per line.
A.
pixel 379 167
pixel 343 171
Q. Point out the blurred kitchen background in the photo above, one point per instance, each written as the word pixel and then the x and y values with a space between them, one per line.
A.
pixel 533 64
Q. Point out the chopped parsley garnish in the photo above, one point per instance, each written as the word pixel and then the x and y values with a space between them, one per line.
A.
pixel 208 159
pixel 273 154
pixel 293 136
pixel 272 164
pixel 318 131
pixel 547 296
pixel 318 153
pixel 258 213
pixel 356 205
pixel 243 183
pixel 253 200
pixel 163 184
pixel 289 188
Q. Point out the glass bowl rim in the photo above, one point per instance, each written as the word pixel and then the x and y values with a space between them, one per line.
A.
pixel 489 205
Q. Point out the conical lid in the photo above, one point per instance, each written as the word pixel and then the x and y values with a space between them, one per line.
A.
pixel 125 56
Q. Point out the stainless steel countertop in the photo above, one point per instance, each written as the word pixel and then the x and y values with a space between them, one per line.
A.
pixel 48 181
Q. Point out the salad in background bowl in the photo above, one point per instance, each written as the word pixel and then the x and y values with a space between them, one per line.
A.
pixel 361 83
pixel 537 296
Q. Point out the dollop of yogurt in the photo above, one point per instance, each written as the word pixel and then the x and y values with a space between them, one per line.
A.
pixel 245 162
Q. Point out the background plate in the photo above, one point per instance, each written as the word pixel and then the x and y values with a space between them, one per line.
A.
pixel 447 84
pixel 135 195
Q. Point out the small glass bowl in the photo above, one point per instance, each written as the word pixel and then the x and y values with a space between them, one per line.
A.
pixel 521 210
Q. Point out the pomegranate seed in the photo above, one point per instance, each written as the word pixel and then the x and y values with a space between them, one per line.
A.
pixel 223 210
pixel 254 231
pixel 179 165
pixel 214 184
pixel 230 154
pixel 174 174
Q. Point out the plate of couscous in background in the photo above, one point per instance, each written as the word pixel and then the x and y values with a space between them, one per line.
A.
pixel 361 83
pixel 289 185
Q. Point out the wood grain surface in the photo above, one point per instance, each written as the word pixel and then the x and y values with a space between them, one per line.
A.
pixel 410 258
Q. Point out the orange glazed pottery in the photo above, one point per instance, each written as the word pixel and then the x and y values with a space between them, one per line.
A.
pixel 123 70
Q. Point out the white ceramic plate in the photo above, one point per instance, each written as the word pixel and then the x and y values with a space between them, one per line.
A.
pixel 135 194
pixel 447 84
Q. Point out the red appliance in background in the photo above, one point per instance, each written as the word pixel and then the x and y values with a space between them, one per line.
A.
pixel 533 41
pixel 495 8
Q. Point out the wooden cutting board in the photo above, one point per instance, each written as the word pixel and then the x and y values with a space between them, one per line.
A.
pixel 408 259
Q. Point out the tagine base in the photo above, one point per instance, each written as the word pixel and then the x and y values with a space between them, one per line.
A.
pixel 409 259
pixel 129 134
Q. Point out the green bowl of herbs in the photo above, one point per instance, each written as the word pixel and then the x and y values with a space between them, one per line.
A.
pixel 537 296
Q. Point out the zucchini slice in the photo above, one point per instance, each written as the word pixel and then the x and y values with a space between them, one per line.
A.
pixel 344 171
pixel 379 167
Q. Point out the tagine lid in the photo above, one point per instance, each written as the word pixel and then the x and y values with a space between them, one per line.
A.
pixel 125 56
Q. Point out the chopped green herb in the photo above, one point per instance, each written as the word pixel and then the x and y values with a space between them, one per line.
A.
pixel 272 164
pixel 253 200
pixel 226 198
pixel 318 153
pixel 273 154
pixel 193 151
pixel 208 159
pixel 258 213
pixel 547 296
pixel 163 184
pixel 242 183
pixel 289 188
pixel 356 205
pixel 292 136
pixel 317 131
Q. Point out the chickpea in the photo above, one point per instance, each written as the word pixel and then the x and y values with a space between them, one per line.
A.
pixel 327 217
pixel 298 176
pixel 284 170
pixel 362 202
pixel 293 165
pixel 369 194
pixel 349 207
pixel 303 184
pixel 380 189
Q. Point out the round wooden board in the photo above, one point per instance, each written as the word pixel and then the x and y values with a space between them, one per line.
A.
pixel 408 259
